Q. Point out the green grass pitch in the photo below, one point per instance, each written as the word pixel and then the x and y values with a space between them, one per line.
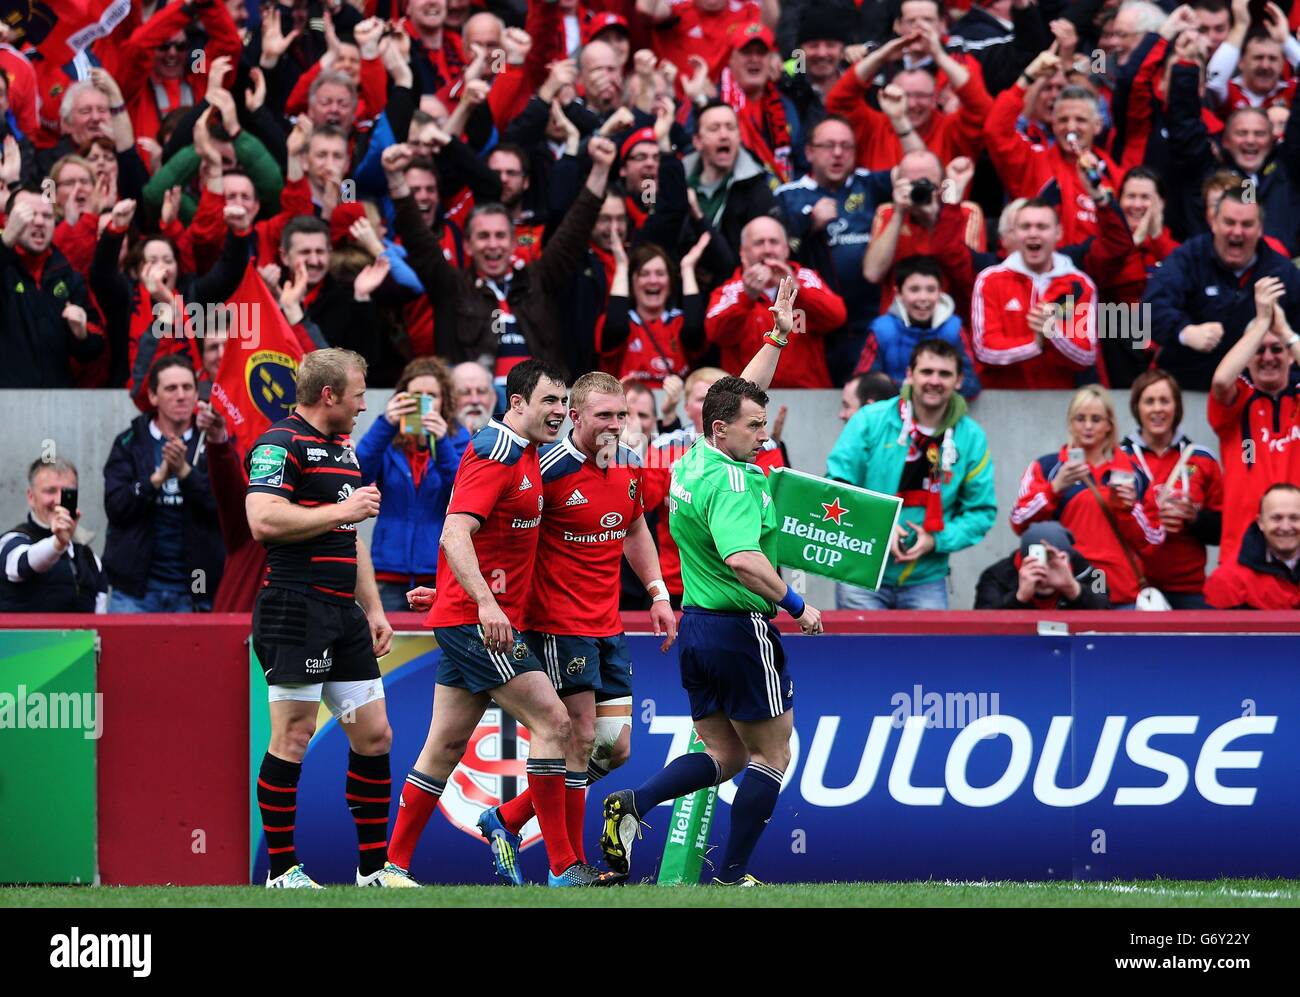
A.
pixel 1155 893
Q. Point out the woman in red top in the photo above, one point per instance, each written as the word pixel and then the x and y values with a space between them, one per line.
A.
pixel 1087 485
pixel 641 336
pixel 1182 489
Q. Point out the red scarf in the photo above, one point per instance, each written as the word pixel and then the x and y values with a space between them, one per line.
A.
pixel 636 213
pixel 607 261
pixel 33 263
pixel 763 126
pixel 418 457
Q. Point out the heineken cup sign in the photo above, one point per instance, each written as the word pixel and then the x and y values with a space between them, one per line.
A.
pixel 833 529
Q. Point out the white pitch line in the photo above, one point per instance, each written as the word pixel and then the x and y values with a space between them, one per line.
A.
pixel 1222 891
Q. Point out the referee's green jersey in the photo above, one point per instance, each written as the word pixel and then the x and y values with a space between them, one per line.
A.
pixel 716 507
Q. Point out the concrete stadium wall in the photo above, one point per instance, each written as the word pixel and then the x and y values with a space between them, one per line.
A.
pixel 1021 426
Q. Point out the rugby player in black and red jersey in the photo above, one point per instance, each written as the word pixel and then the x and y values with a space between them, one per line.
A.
pixel 593 517
pixel 485 579
pixel 318 625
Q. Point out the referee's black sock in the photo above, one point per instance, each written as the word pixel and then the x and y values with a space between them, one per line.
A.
pixel 277 799
pixel 750 811
pixel 684 775
pixel 369 790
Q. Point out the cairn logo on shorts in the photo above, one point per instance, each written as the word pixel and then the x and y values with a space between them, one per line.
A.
pixel 520 650
pixel 577 666
pixel 321 665
pixel 266 466
pixel 316 453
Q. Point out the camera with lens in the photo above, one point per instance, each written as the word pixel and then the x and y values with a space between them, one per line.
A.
pixel 923 191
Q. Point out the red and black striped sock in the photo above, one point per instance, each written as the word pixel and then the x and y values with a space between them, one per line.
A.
pixel 277 799
pixel 369 790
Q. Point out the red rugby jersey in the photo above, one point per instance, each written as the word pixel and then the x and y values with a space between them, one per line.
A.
pixel 589 509
pixel 499 483
pixel 1272 428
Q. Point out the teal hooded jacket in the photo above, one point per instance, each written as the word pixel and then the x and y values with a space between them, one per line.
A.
pixel 871 453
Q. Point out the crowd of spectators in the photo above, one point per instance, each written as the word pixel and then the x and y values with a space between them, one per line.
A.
pixel 1015 195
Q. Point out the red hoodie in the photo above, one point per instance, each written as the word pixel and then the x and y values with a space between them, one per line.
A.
pixel 737 323
pixel 947 135
pixel 1026 169
pixel 1009 354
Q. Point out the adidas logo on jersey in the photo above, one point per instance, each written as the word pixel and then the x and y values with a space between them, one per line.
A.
pixel 1014 305
pixel 525 484
pixel 577 498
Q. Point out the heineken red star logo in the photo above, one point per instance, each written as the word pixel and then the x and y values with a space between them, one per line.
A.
pixel 833 511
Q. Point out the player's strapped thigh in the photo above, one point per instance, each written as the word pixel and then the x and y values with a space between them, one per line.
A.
pixel 304 641
pixel 572 663
pixel 733 663
pixel 467 663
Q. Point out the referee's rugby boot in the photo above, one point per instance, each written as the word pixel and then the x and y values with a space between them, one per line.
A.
pixel 743 881
pixel 622 827
pixel 393 877
pixel 505 846
pixel 581 874
pixel 294 879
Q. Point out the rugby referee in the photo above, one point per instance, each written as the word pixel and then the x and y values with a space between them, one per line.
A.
pixel 312 638
pixel 733 665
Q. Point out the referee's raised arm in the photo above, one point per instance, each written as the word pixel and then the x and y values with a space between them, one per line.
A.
pixel 762 366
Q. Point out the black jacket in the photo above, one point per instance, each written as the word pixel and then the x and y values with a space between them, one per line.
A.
pixel 36 343
pixel 999 582
pixel 1190 148
pixel 130 499
pixel 70 586
pixel 464 306
pixel 1191 286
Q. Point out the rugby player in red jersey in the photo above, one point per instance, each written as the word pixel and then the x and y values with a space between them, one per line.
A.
pixel 593 518
pixel 491 532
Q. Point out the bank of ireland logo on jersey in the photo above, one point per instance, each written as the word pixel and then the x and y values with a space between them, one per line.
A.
pixel 266 465
pixel 270 377
pixel 490 773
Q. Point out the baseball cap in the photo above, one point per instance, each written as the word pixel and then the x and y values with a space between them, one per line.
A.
pixel 602 22
pixel 1050 532
pixel 635 139
pixel 752 32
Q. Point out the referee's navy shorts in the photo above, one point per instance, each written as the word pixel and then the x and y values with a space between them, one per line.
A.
pixel 733 663
pixel 467 664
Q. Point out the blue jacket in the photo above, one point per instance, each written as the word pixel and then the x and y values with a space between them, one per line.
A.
pixel 836 251
pixel 410 521
pixel 1192 286
pixel 896 337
